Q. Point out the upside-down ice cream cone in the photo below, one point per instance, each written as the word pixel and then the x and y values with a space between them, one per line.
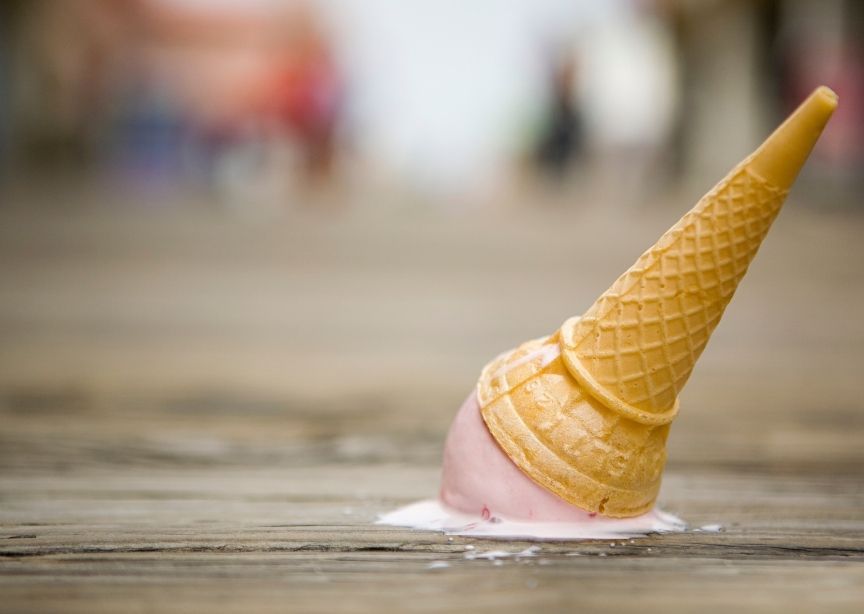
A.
pixel 585 412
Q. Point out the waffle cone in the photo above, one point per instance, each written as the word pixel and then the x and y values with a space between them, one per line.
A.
pixel 586 412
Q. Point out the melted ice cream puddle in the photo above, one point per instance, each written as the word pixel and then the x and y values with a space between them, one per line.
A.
pixel 432 515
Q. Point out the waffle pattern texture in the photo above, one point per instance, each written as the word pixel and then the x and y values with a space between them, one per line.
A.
pixel 637 345
pixel 586 412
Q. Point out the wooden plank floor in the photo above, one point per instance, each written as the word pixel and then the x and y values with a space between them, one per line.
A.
pixel 204 414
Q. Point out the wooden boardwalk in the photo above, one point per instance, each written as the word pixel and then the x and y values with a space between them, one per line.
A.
pixel 198 414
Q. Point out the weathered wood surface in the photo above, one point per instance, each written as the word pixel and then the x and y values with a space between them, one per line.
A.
pixel 201 415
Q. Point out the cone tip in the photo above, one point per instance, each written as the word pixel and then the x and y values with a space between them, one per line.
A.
pixel 828 97
pixel 783 154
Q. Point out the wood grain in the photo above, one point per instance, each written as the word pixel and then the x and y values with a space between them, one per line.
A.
pixel 198 414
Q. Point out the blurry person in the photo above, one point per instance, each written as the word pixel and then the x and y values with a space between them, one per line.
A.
pixel 58 67
pixel 9 15
pixel 307 93
pixel 561 137
pixel 823 43
pixel 630 78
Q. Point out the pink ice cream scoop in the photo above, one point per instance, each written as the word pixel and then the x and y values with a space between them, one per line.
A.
pixel 483 494
pixel 478 478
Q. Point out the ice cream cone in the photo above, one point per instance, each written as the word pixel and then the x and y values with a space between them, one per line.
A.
pixel 585 412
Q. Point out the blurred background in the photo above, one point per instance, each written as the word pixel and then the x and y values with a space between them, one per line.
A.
pixel 257 105
pixel 326 216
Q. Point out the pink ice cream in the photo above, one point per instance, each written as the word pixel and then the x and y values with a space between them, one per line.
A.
pixel 483 494
pixel 479 479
